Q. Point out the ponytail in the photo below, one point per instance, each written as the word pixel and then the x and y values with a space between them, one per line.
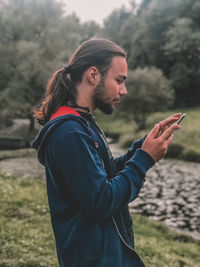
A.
pixel 60 91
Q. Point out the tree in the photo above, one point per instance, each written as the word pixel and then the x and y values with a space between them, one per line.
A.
pixel 166 35
pixel 90 29
pixel 36 38
pixel 153 19
pixel 25 87
pixel 182 50
pixel 118 26
pixel 26 25
pixel 148 91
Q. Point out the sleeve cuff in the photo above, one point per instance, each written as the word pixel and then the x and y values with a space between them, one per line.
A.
pixel 138 143
pixel 142 160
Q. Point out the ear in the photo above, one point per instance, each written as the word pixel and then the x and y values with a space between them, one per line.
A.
pixel 93 75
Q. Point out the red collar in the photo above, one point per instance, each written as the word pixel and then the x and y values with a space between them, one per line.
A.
pixel 64 111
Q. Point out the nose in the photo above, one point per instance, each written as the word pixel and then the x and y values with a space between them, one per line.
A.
pixel 123 90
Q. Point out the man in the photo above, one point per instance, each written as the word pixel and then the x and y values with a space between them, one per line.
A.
pixel 88 190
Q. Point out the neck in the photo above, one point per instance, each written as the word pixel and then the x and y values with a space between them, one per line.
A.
pixel 84 99
pixel 82 109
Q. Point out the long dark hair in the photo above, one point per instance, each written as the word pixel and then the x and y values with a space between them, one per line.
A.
pixel 61 89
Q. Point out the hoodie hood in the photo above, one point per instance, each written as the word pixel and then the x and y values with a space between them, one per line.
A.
pixel 39 142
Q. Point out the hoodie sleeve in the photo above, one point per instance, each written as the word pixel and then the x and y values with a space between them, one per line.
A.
pixel 75 156
pixel 121 161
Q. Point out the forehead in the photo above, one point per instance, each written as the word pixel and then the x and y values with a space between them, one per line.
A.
pixel 118 66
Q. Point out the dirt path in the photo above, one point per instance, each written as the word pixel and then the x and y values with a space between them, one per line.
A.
pixel 23 167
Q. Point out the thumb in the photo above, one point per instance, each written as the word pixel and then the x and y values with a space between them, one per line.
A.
pixel 155 131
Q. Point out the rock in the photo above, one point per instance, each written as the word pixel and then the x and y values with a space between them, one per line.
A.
pixel 171 194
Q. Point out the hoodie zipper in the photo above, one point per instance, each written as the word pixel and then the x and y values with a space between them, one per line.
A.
pixel 133 250
pixel 115 224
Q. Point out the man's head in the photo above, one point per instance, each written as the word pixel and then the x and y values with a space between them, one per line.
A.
pixel 103 57
pixel 100 55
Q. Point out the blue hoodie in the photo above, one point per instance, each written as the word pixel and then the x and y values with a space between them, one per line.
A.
pixel 89 191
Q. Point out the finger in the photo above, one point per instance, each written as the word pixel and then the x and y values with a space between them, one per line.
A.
pixel 169 139
pixel 155 131
pixel 167 122
pixel 169 131
pixel 173 117
pixel 163 127
pixel 176 115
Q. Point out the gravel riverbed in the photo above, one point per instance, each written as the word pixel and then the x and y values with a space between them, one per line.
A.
pixel 171 194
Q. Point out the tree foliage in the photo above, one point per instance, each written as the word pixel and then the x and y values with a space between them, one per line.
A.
pixel 164 34
pixel 36 38
pixel 183 52
pixel 148 91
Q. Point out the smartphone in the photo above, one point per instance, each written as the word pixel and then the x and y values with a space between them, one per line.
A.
pixel 182 117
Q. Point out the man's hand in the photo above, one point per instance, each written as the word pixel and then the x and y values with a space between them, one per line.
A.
pixel 158 140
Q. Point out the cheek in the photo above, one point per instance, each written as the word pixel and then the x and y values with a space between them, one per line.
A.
pixel 111 89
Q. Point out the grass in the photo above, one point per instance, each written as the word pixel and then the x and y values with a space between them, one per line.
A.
pixel 160 246
pixel 186 141
pixel 26 237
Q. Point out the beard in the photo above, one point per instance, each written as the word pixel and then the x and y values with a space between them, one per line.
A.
pixel 99 98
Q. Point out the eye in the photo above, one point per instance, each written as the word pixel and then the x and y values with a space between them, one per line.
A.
pixel 119 81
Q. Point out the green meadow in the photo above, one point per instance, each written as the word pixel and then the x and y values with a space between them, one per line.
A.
pixel 26 237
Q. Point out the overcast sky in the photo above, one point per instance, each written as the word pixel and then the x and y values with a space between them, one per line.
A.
pixel 94 9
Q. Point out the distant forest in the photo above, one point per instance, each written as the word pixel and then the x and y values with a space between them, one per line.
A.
pixel 38 37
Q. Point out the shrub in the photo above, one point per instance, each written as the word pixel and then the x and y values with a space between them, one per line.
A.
pixel 174 150
pixel 191 155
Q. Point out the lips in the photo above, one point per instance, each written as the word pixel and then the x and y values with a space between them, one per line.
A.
pixel 116 101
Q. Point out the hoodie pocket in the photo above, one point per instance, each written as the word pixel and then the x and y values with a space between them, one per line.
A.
pixel 96 244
